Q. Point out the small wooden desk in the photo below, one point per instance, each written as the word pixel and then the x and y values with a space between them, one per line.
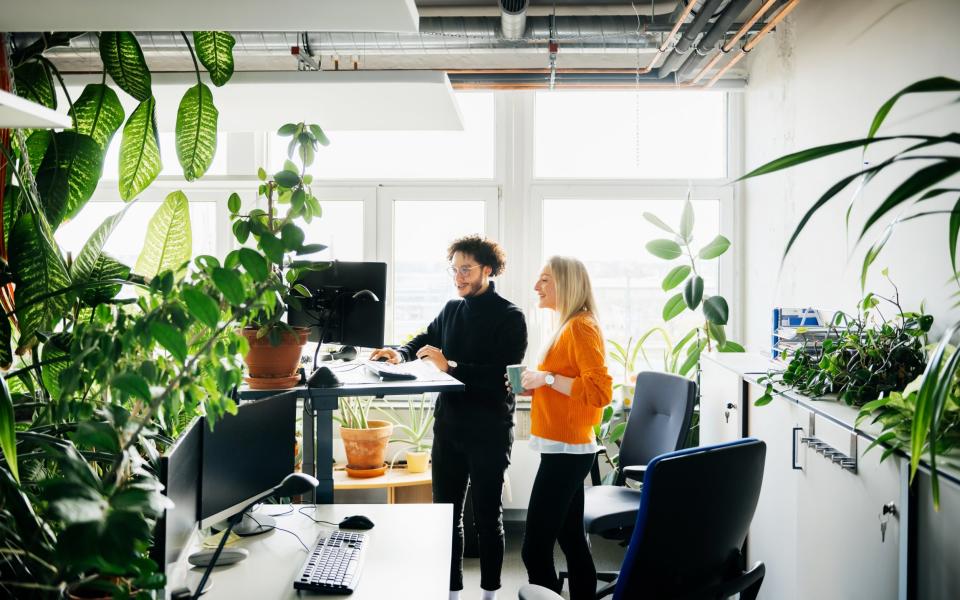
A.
pixel 402 487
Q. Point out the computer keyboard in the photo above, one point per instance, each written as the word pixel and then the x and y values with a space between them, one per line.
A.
pixel 387 371
pixel 334 565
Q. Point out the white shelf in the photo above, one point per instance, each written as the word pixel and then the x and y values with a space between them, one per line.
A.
pixel 19 113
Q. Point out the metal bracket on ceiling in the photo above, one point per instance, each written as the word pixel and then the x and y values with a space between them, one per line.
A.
pixel 553 47
pixel 304 55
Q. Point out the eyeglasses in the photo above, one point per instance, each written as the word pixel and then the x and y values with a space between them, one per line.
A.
pixel 463 271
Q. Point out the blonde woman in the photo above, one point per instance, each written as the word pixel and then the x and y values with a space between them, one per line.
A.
pixel 570 388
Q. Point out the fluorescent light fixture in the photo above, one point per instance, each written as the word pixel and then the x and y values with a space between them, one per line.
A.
pixel 20 113
pixel 336 100
pixel 206 15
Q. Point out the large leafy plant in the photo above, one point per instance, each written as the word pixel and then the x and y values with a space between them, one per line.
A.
pixel 276 235
pixel 715 311
pixel 932 164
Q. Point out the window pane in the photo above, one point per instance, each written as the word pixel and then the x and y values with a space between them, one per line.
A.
pixel 420 280
pixel 127 239
pixel 406 154
pixel 646 135
pixel 340 229
pixel 168 156
pixel 610 236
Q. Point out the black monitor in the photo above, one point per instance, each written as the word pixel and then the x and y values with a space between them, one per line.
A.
pixel 244 456
pixel 347 306
pixel 180 476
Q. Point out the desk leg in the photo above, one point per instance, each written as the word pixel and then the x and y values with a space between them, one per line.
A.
pixel 309 452
pixel 324 449
pixel 391 495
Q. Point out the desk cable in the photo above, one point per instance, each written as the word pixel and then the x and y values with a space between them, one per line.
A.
pixel 281 529
pixel 314 507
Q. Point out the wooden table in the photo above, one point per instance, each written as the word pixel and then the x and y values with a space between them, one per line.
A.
pixel 402 487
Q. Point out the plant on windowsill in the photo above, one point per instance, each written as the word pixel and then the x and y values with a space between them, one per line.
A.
pixel 275 346
pixel 412 432
pixel 364 440
pixel 625 355
pixel 913 196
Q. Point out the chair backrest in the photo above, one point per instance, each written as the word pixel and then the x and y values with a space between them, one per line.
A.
pixel 659 420
pixel 695 512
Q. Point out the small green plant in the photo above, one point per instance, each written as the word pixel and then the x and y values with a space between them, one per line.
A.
pixel 609 433
pixel 626 357
pixel 412 430
pixel 865 356
pixel 354 412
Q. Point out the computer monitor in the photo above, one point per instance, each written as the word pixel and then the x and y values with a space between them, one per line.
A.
pixel 347 306
pixel 180 476
pixel 244 456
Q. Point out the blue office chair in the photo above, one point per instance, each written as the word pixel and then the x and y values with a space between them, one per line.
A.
pixel 695 512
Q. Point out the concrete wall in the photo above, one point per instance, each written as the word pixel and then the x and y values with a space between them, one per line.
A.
pixel 819 79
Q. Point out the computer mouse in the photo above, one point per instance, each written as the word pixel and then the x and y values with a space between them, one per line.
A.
pixel 227 556
pixel 356 522
pixel 323 377
pixel 381 358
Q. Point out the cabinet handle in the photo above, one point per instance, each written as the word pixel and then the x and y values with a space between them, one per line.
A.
pixel 793 460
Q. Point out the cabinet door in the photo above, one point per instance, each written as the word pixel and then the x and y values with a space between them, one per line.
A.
pixel 720 392
pixel 841 553
pixel 938 540
pixel 773 533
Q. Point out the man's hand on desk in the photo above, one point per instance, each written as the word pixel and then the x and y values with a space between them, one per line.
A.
pixel 435 356
pixel 393 357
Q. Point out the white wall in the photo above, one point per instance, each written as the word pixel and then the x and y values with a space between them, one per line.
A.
pixel 819 79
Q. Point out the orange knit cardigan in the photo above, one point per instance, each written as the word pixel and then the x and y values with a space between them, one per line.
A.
pixel 577 353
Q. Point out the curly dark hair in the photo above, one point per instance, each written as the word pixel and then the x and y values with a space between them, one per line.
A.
pixel 485 251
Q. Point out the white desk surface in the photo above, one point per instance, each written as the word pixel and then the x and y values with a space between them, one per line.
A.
pixel 408 556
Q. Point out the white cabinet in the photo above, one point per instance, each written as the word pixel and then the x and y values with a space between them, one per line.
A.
pixel 721 404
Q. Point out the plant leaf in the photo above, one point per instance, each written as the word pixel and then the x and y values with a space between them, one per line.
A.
pixel 872 255
pixel 40 269
pixel 139 150
pixel 686 220
pixel 170 338
pixel 54 350
pixel 8 441
pixel 732 346
pixel 954 232
pixel 133 385
pixel 675 277
pixel 914 184
pixel 215 51
pixel 123 60
pixel 654 219
pixel 934 84
pixel 272 247
pixel 320 135
pixel 202 306
pixel 254 263
pixel 229 284
pixel 717 333
pixel 37 144
pixel 6 353
pixel 169 238
pixel 665 249
pixel 105 268
pixel 715 310
pixel 98 113
pixel 674 306
pixel 291 236
pixel 715 248
pixel 35 83
pixel 693 292
pixel 196 133
pixel 286 178
pixel 796 158
pixel 68 175
pixel 91 252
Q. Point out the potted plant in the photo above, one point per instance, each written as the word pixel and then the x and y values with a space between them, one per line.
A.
pixel 364 440
pixel 275 347
pixel 413 430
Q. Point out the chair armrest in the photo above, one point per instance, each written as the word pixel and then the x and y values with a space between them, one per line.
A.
pixel 535 592
pixel 634 472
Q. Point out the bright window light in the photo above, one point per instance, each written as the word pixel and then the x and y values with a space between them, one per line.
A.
pixel 407 154
pixel 421 283
pixel 340 229
pixel 595 135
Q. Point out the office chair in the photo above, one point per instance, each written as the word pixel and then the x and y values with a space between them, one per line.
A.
pixel 694 516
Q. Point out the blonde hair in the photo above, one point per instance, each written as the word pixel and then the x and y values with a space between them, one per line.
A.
pixel 574 293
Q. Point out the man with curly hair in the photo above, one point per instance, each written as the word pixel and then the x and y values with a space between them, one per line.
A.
pixel 473 339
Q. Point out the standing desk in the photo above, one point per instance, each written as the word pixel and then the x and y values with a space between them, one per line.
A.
pixel 319 404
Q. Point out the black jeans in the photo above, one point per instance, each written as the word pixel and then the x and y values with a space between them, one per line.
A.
pixel 482 458
pixel 555 515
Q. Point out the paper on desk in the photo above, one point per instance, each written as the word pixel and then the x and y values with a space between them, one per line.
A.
pixel 425 370
pixel 212 541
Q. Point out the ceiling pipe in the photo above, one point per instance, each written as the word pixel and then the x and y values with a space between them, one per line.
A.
pixel 732 42
pixel 712 38
pixel 513 18
pixel 752 43
pixel 675 58
pixel 561 10
pixel 661 50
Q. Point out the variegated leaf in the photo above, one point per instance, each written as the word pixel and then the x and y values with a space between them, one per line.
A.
pixel 196 131
pixel 123 60
pixel 98 113
pixel 215 51
pixel 139 151
pixel 37 144
pixel 105 268
pixel 68 175
pixel 33 82
pixel 92 251
pixel 57 348
pixel 169 239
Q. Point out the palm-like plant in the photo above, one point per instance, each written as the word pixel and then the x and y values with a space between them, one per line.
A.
pixel 912 197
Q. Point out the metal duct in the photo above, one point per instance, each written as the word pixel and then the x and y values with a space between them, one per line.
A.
pixel 675 58
pixel 438 35
pixel 513 18
pixel 708 43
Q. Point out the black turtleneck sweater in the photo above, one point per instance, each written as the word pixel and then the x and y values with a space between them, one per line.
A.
pixel 482 334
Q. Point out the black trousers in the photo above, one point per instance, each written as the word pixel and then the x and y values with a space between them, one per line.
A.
pixel 555 515
pixel 481 459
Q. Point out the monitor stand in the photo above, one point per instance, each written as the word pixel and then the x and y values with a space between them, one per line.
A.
pixel 254 524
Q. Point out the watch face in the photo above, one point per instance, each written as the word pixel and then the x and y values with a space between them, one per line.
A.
pixel 549 378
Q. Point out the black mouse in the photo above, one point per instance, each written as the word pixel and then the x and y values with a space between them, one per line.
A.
pixel 356 522
pixel 323 377
pixel 381 358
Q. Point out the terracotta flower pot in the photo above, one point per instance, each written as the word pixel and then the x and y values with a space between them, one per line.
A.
pixel 274 362
pixel 366 448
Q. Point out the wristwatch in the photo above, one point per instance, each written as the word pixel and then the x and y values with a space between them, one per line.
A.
pixel 549 379
pixel 451 365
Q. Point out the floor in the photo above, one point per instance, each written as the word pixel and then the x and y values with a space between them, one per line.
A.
pixel 607 555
